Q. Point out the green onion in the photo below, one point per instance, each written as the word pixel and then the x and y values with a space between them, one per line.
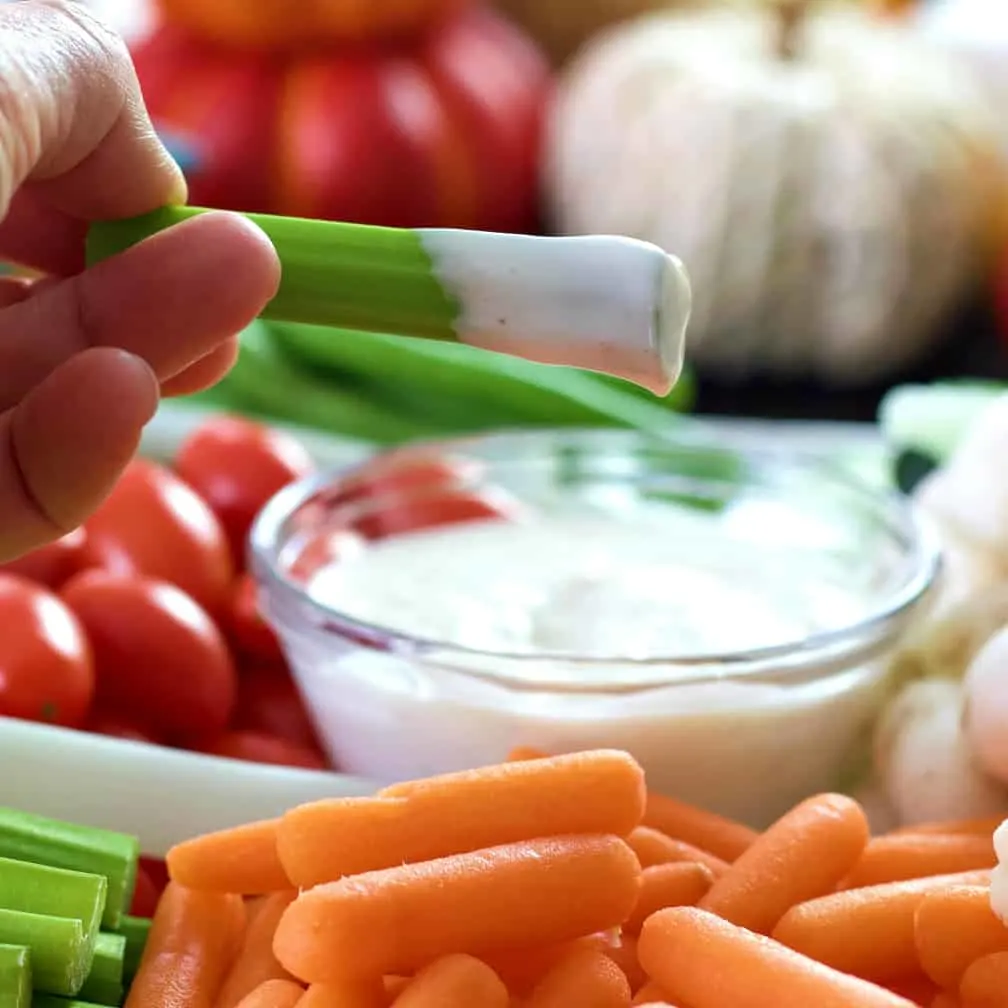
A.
pixel 60 951
pixel 54 892
pixel 15 976
pixel 104 984
pixel 27 837
pixel 135 930
pixel 349 275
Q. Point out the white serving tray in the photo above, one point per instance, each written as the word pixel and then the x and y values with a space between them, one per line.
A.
pixel 162 795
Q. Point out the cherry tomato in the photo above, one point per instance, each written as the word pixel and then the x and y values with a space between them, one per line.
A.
pixel 102 722
pixel 155 525
pixel 145 895
pixel 258 747
pixel 269 702
pixel 236 466
pixel 46 665
pixel 399 515
pixel 159 658
pixel 156 871
pixel 407 471
pixel 324 548
pixel 250 634
pixel 52 565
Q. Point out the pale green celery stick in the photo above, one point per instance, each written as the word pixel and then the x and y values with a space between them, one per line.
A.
pixel 60 951
pixel 536 393
pixel 15 976
pixel 27 837
pixel 135 930
pixel 348 275
pixel 54 892
pixel 268 383
pixel 104 984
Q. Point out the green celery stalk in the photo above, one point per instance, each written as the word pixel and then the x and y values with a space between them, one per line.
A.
pixel 60 951
pixel 15 976
pixel 536 394
pixel 135 930
pixel 27 837
pixel 265 381
pixel 350 275
pixel 49 1001
pixel 54 892
pixel 104 984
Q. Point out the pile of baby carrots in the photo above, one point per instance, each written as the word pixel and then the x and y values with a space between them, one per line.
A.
pixel 561 882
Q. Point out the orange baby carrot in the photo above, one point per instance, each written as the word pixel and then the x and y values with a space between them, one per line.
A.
pixel 978 827
pixel 918 989
pixel 456 981
pixel 593 792
pixel 724 838
pixel 944 1000
pixel 706 962
pixel 193 940
pixel 654 848
pixel 399 919
pixel 952 927
pixel 240 860
pixel 668 885
pixel 521 968
pixel 520 753
pixel 909 856
pixel 868 932
pixel 985 982
pixel 256 963
pixel 585 978
pixel 649 994
pixel 273 994
pixel 801 856
pixel 395 985
pixel 624 954
pixel 355 995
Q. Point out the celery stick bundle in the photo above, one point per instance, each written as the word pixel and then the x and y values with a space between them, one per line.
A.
pixel 60 885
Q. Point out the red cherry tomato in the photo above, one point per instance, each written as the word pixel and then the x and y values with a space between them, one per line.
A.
pixel 46 666
pixel 250 634
pixel 159 658
pixel 407 471
pixel 54 564
pixel 269 702
pixel 145 895
pixel 114 725
pixel 156 871
pixel 399 515
pixel 257 747
pixel 236 466
pixel 155 525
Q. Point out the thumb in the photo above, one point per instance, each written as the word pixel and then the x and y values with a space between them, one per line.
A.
pixel 72 121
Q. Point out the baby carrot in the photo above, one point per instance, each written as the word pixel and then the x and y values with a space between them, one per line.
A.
pixel 801 856
pixel 985 982
pixel 355 995
pixel 256 963
pixel 240 860
pixel 908 856
pixel 591 793
pixel 273 994
pixel 668 885
pixel 722 837
pixel 456 981
pixel 868 932
pixel 192 942
pixel 706 962
pixel 521 968
pixel 399 919
pixel 952 927
pixel 944 1000
pixel 624 954
pixel 978 827
pixel 918 989
pixel 649 994
pixel 520 753
pixel 654 848
pixel 585 978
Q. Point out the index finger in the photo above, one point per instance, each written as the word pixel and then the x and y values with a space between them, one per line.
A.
pixel 73 128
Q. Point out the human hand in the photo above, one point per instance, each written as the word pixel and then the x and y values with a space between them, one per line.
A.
pixel 85 355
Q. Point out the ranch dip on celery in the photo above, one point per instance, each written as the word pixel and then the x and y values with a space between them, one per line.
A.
pixel 658 582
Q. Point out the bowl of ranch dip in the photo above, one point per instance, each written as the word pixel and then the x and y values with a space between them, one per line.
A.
pixel 721 610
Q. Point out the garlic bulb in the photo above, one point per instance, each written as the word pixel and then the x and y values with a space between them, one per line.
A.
pixel 825 179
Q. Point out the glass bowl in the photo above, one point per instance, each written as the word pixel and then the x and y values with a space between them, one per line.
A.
pixel 745 730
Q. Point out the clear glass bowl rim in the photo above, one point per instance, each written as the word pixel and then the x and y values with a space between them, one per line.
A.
pixel 840 646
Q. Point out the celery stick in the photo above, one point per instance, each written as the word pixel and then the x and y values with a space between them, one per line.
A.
pixel 54 892
pixel 15 976
pixel 48 1001
pixel 60 951
pixel 349 275
pixel 104 984
pixel 135 930
pixel 28 837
